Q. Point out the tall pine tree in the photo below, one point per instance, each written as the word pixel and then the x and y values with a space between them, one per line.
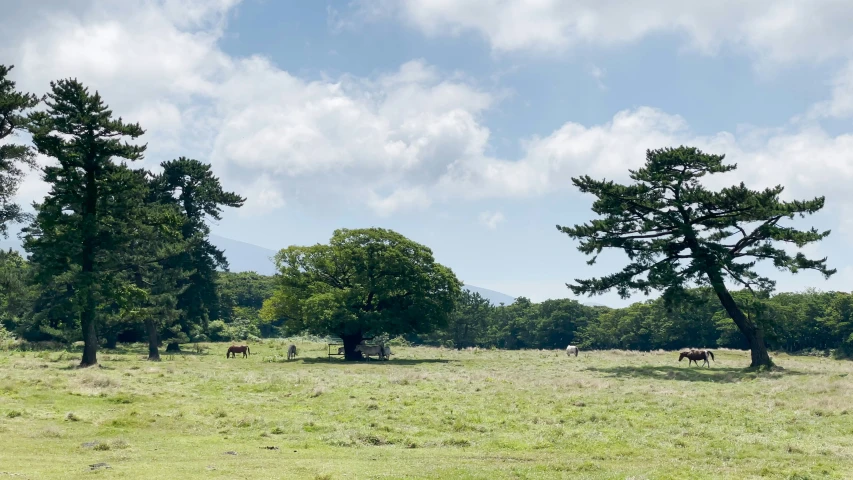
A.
pixel 156 241
pixel 198 194
pixel 73 232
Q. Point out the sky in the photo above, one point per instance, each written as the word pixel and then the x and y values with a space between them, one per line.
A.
pixel 460 123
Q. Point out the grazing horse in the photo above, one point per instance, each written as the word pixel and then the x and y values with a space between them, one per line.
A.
pixel 233 350
pixel 696 355
pixel 368 350
pixel 571 349
pixel 291 352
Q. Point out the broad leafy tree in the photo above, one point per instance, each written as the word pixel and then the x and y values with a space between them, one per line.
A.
pixel 73 233
pixel 191 186
pixel 13 119
pixel 676 232
pixel 364 283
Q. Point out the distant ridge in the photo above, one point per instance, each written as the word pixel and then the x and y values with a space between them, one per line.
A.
pixel 245 257
pixel 495 298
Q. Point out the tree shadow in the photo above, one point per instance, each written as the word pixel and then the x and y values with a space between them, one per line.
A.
pixel 321 360
pixel 692 374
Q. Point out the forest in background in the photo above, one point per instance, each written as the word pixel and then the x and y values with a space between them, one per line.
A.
pixel 805 322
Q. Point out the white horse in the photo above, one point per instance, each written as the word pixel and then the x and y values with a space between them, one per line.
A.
pixel 571 349
pixel 368 350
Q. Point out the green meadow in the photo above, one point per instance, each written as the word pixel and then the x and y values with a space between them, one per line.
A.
pixel 426 413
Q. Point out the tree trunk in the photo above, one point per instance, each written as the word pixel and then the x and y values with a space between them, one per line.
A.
pixel 153 342
pixel 87 267
pixel 90 337
pixel 752 332
pixel 350 341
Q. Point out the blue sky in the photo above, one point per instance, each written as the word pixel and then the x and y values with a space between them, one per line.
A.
pixel 460 123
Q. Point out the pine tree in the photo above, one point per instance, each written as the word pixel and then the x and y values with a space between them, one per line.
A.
pixel 191 186
pixel 13 105
pixel 73 232
pixel 675 232
pixel 156 243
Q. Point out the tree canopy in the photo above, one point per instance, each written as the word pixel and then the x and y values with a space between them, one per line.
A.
pixel 364 283
pixel 76 236
pixel 676 232
pixel 191 187
pixel 13 119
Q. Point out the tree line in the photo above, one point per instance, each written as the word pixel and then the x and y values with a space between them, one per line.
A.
pixel 109 244
pixel 116 252
pixel 812 321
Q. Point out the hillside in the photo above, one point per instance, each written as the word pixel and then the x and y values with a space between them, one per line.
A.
pixel 245 257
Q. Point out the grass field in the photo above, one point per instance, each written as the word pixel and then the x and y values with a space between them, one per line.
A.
pixel 427 413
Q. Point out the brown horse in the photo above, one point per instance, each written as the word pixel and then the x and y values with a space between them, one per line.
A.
pixel 233 350
pixel 696 355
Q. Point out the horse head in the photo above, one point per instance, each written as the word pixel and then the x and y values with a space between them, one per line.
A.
pixel 682 355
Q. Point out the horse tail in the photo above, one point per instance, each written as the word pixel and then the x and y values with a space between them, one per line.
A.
pixel 711 354
pixel 247 350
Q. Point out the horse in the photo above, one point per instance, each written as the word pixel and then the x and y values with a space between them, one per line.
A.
pixel 233 350
pixel 291 352
pixel 368 350
pixel 571 349
pixel 696 355
pixel 341 350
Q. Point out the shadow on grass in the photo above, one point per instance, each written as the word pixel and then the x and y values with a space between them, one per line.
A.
pixel 691 374
pixel 321 360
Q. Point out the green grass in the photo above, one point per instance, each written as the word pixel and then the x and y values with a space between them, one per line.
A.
pixel 428 413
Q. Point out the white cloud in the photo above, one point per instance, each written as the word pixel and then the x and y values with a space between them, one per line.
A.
pixel 840 103
pixel 491 220
pixel 776 31
pixel 266 196
pixel 598 74
pixel 415 198
pixel 159 63
pixel 401 140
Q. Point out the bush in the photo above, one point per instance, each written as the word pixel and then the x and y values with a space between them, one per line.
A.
pixel 5 335
pixel 218 331
pixel 242 329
